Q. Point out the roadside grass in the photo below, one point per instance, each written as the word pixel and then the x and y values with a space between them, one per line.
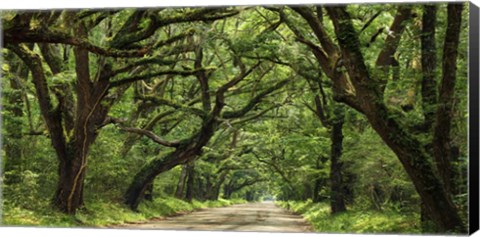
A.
pixel 354 220
pixel 101 213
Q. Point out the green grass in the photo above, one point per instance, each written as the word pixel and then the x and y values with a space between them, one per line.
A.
pixel 355 220
pixel 102 213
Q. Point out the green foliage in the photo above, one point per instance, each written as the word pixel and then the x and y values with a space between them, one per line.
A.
pixel 30 185
pixel 380 179
pixel 101 213
pixel 354 221
pixel 280 143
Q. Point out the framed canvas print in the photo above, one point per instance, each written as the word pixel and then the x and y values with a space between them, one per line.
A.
pixel 345 118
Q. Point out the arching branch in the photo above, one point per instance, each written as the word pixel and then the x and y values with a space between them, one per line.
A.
pixel 152 136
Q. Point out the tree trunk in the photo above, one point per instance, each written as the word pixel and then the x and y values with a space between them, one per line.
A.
pixel 429 63
pixel 337 198
pixel 69 194
pixel 136 190
pixel 417 165
pixel 190 170
pixel 227 189
pixel 198 189
pixel 149 192
pixel 187 151
pixel 215 192
pixel 90 112
pixel 207 191
pixel 348 187
pixel 181 182
pixel 442 143
pixel 316 190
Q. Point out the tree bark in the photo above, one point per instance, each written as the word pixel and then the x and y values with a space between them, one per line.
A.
pixel 442 140
pixel 227 189
pixel 181 182
pixel 429 88
pixel 214 192
pixel 429 63
pixel 69 194
pixel 337 185
pixel 149 192
pixel 190 182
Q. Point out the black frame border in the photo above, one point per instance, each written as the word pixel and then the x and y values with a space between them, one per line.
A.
pixel 473 118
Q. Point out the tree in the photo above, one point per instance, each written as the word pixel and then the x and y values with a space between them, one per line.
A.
pixel 73 129
pixel 362 90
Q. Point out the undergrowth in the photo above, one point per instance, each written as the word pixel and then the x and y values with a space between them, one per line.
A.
pixel 102 213
pixel 354 220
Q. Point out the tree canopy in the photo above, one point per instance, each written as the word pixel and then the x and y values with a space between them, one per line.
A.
pixel 363 107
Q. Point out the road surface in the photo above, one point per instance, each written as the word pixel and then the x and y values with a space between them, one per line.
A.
pixel 257 217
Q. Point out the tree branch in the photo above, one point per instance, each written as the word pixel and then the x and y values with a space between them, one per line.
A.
pixel 21 35
pixel 318 30
pixel 204 14
pixel 203 80
pixel 255 116
pixel 385 58
pixel 254 101
pixel 150 75
pixel 160 101
pixel 158 60
pixel 220 94
pixel 370 21
pixel 51 116
pixel 152 136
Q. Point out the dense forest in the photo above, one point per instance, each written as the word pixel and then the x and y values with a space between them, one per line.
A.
pixel 354 116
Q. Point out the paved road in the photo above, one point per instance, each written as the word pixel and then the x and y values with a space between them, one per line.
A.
pixel 258 217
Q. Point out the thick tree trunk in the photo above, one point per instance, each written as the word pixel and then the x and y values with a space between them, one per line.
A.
pixel 215 191
pixel 441 141
pixel 199 189
pixel 69 194
pixel 337 186
pixel 90 112
pixel 429 88
pixel 185 152
pixel 145 176
pixel 417 165
pixel 72 156
pixel 429 63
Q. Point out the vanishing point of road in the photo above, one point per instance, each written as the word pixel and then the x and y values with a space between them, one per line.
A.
pixel 256 217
